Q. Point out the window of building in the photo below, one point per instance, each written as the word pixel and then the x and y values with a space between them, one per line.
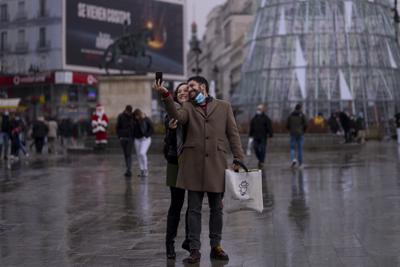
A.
pixel 42 37
pixel 42 8
pixel 21 9
pixel 3 12
pixel 3 41
pixel 21 36
pixel 227 34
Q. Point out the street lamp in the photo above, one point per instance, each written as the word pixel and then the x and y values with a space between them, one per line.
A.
pixel 195 48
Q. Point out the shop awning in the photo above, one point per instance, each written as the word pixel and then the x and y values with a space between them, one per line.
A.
pixel 9 103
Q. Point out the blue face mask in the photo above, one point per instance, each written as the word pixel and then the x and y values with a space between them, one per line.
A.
pixel 200 99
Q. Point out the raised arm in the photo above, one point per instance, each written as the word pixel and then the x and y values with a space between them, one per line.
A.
pixel 181 115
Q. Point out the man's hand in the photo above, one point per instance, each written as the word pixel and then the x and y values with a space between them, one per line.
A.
pixel 159 87
pixel 235 167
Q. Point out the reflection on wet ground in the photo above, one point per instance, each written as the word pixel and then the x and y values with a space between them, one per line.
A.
pixel 341 209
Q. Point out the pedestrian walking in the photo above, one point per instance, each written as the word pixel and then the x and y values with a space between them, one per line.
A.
pixel 66 132
pixel 346 124
pixel 16 129
pixel 173 143
pixel 142 132
pixel 360 128
pixel 6 132
pixel 39 133
pixel 297 125
pixel 124 131
pixel 334 124
pixel 210 124
pixel 260 131
pixel 52 136
pixel 397 121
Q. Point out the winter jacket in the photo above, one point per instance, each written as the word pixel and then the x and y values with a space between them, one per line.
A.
pixel 142 128
pixel 297 123
pixel 397 119
pixel 173 141
pixel 124 126
pixel 345 121
pixel 261 127
pixel 66 128
pixel 39 129
pixel 203 161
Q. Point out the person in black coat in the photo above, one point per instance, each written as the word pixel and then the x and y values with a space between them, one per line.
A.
pixel 260 130
pixel 124 130
pixel 6 132
pixel 173 146
pixel 39 133
pixel 142 132
pixel 346 123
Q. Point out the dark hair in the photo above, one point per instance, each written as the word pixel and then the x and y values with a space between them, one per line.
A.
pixel 298 107
pixel 128 108
pixel 175 95
pixel 137 112
pixel 200 80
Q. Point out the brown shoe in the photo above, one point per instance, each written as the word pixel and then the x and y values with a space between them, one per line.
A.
pixel 217 253
pixel 194 257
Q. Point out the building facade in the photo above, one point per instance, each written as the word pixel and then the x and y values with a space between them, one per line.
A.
pixel 52 51
pixel 223 45
pixel 329 55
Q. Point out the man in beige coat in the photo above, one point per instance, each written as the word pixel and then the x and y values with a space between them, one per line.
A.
pixel 210 127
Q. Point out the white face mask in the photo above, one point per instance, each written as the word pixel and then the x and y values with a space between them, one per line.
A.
pixel 258 112
pixel 6 113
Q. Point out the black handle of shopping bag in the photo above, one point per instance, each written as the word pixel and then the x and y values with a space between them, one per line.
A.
pixel 241 164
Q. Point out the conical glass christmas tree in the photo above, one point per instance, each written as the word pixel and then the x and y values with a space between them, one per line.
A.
pixel 330 55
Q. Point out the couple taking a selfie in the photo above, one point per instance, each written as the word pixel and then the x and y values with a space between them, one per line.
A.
pixel 199 129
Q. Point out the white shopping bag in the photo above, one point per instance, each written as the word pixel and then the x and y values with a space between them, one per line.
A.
pixel 243 191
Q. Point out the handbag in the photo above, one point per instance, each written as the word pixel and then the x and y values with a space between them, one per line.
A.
pixel 243 190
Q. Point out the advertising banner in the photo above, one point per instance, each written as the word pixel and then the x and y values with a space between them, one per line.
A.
pixel 91 26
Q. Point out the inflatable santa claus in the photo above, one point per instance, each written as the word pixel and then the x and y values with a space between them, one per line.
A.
pixel 99 125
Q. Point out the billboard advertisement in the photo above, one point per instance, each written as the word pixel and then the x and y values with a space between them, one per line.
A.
pixel 135 35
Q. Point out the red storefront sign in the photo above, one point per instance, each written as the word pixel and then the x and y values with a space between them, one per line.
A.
pixel 61 77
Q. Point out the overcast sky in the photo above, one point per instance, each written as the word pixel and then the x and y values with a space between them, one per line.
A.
pixel 198 11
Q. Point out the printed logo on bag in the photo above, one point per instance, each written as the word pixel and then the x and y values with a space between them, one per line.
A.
pixel 243 187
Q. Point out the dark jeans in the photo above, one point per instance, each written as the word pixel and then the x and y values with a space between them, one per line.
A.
pixel 15 145
pixel 174 214
pixel 6 140
pixel 259 146
pixel 195 200
pixel 127 145
pixel 39 143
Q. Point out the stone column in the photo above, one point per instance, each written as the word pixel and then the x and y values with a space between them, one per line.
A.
pixel 115 92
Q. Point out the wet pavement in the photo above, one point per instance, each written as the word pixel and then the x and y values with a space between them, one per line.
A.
pixel 342 209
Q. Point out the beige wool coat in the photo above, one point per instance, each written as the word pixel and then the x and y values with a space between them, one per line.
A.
pixel 203 160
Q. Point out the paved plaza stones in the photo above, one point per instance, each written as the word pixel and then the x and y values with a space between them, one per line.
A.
pixel 342 209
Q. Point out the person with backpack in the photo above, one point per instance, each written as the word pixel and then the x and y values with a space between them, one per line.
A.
pixel 297 125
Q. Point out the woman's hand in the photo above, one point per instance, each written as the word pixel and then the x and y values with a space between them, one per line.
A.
pixel 159 87
pixel 173 124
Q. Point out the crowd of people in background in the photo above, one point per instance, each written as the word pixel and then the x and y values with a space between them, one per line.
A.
pixel 21 136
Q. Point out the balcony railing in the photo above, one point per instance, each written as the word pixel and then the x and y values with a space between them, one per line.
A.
pixel 43 13
pixel 43 46
pixel 5 49
pixel 4 18
pixel 21 15
pixel 21 48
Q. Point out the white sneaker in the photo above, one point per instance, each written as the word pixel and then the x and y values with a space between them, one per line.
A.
pixel 294 162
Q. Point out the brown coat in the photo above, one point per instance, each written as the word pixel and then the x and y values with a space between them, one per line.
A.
pixel 204 158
